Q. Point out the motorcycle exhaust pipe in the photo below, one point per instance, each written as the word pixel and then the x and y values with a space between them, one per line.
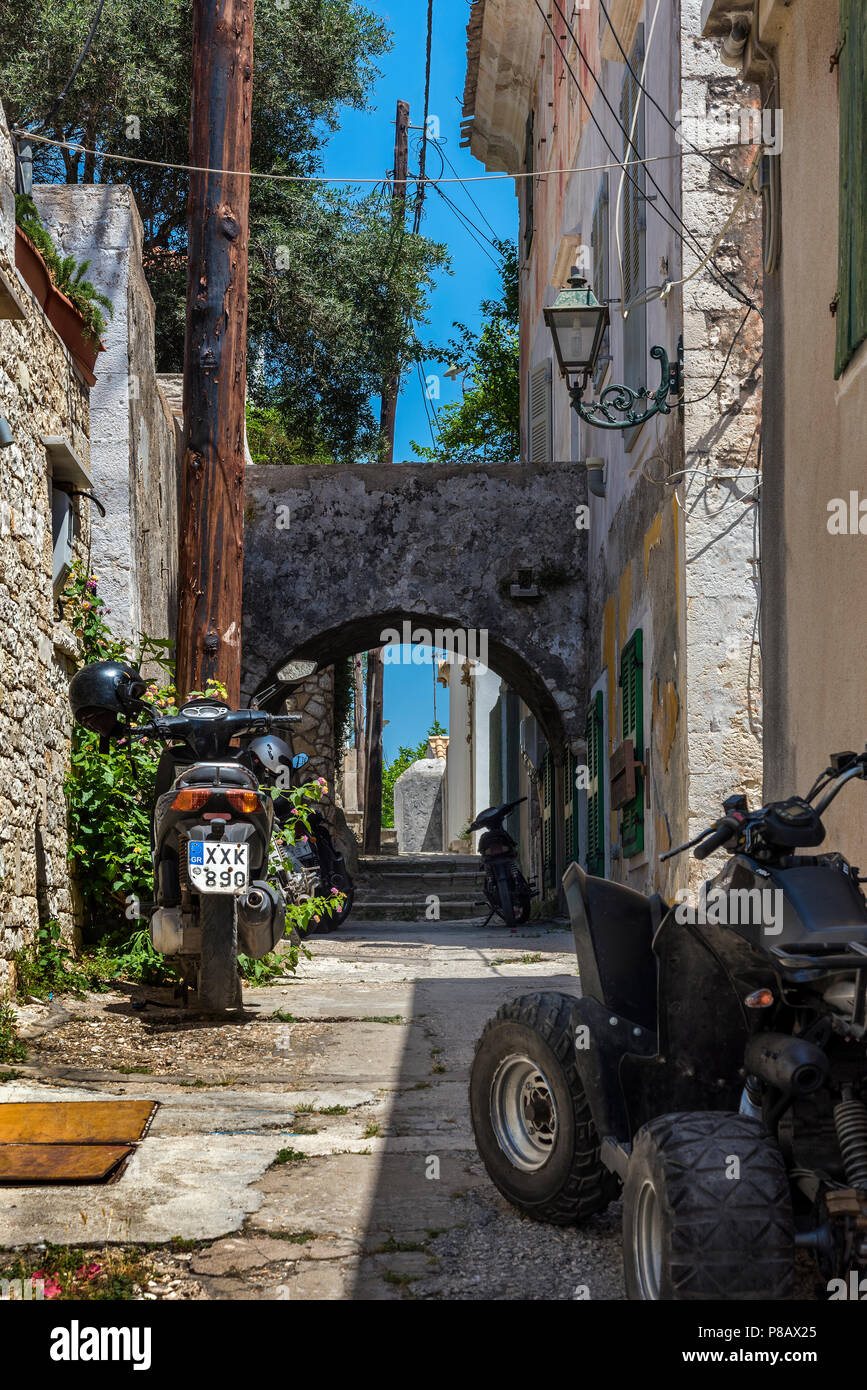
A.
pixel 792 1065
pixel 261 919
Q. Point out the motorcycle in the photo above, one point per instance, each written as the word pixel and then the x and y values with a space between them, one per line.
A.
pixel 211 828
pixel 313 865
pixel 507 892
pixel 713 1071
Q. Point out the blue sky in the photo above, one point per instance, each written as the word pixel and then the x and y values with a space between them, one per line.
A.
pixel 364 147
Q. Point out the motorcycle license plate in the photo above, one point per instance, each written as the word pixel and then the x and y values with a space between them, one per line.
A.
pixel 218 867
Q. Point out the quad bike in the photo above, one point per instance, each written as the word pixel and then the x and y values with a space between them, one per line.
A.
pixel 507 892
pixel 713 1071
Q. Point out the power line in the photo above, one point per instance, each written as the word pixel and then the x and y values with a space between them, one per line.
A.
pixel 624 164
pixel 58 102
pixel 445 157
pixel 663 113
pixel 328 178
pixel 468 226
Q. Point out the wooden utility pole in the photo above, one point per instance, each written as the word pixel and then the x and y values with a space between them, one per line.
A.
pixel 358 712
pixel 388 413
pixel 391 387
pixel 215 375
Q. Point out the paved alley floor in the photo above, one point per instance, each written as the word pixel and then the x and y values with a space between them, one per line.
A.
pixel 320 1146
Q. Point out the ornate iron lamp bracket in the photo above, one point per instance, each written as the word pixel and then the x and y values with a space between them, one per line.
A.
pixel 627 403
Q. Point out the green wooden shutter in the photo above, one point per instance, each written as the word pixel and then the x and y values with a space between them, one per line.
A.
pixel 595 732
pixel 632 704
pixel 571 847
pixel 548 842
pixel 852 278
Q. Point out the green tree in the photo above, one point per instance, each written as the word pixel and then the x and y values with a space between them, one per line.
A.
pixel 486 422
pixel 335 283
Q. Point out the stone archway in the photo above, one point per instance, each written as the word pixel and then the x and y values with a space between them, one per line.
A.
pixel 337 556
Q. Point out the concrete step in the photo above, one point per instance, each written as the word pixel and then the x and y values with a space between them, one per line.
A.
pixel 398 888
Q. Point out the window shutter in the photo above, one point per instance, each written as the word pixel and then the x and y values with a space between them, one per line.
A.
pixel 852 278
pixel 548 853
pixel 599 246
pixel 541 444
pixel 634 276
pixel 571 846
pixel 595 795
pixel 632 705
pixel 529 184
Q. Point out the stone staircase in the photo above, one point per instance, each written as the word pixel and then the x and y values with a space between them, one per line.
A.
pixel 395 888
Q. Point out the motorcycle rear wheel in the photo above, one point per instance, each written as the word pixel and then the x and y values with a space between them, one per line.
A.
pixel 219 979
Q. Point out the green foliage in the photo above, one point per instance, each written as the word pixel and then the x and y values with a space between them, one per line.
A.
pixel 67 274
pixel 269 442
pixel 12 1048
pixel 290 1156
pixel 70 1273
pixel 486 422
pixel 336 285
pixel 392 770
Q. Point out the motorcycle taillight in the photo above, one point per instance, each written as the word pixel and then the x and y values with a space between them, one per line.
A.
pixel 191 799
pixel 246 802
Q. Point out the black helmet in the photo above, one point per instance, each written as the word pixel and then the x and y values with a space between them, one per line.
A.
pixel 98 693
pixel 272 755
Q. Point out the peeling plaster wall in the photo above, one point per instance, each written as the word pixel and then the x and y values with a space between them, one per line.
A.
pixel 336 556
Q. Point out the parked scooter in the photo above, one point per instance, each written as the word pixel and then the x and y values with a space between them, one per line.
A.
pixel 211 827
pixel 714 1069
pixel 312 865
pixel 506 890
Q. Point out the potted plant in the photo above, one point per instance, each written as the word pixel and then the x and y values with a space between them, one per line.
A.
pixel 73 306
pixel 32 267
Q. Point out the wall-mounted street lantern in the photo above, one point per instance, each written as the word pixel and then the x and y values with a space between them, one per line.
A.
pixel 578 322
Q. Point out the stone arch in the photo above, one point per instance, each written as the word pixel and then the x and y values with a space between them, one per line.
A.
pixel 335 556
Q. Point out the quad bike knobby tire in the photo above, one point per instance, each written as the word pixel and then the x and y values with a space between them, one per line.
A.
pixel 219 980
pixel 706 1211
pixel 530 1114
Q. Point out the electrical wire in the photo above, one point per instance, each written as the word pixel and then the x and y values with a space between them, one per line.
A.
pixel 58 102
pixel 622 165
pixel 696 400
pixel 441 152
pixel 733 178
pixel 467 225
pixel 625 308
pixel 75 146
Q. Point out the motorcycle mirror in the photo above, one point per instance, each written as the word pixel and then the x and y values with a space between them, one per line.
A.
pixel 299 760
pixel 295 671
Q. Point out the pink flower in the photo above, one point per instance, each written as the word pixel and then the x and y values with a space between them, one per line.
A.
pixel 91 584
pixel 50 1286
pixel 315 917
pixel 86 605
pixel 322 782
pixel 335 892
pixel 304 839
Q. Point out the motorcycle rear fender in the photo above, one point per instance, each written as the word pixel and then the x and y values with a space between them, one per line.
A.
pixel 234 832
pixel 613 929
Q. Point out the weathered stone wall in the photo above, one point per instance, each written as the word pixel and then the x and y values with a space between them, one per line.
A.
pixel 721 439
pixel 134 448
pixel 442 547
pixel 314 701
pixel 41 393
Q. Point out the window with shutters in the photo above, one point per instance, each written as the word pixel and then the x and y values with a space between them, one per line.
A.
pixel 632 707
pixel 634 217
pixel 595 733
pixel 529 183
pixel 549 865
pixel 599 244
pixel 540 447
pixel 852 276
pixel 571 842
